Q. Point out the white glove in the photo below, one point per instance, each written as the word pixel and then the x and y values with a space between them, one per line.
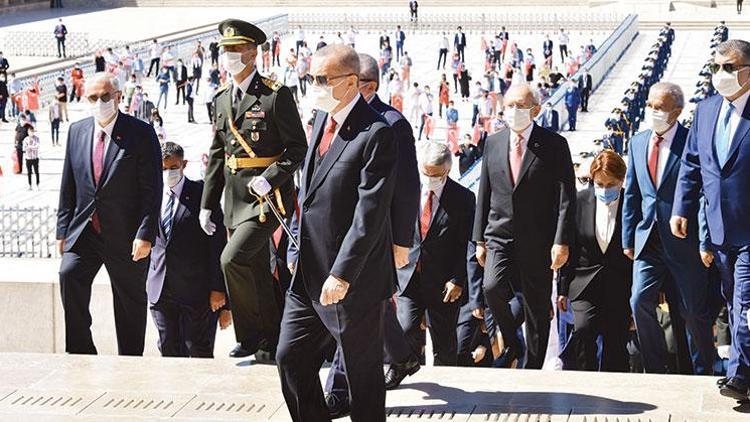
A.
pixel 259 185
pixel 207 225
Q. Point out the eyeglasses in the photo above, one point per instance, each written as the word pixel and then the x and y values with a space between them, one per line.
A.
pixel 105 98
pixel 323 80
pixel 727 67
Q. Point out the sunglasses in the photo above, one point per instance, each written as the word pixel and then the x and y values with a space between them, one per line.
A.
pixel 323 80
pixel 105 98
pixel 727 67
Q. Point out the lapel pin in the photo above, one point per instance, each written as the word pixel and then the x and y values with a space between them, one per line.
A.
pixel 536 144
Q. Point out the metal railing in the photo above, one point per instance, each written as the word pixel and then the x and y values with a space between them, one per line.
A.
pixel 28 232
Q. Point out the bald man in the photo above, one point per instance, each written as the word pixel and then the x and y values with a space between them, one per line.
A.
pixel 524 218
pixel 110 202
pixel 345 237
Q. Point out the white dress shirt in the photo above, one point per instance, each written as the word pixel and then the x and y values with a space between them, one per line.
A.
pixel 108 135
pixel 444 44
pixel 437 193
pixel 664 148
pixel 340 117
pixel 242 86
pixel 734 120
pixel 606 215
pixel 177 189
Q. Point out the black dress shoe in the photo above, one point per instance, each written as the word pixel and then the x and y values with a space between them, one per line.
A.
pixel 734 389
pixel 338 407
pixel 722 382
pixel 243 350
pixel 398 371
pixel 266 356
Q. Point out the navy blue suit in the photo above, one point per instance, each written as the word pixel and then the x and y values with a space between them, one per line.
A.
pixel 404 210
pixel 572 100
pixel 659 255
pixel 727 208
pixel 345 231
pixel 184 269
pixel 127 201
pixel 438 258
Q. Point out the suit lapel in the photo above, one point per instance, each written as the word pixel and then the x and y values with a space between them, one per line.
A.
pixel 88 150
pixel 504 145
pixel 113 149
pixel 615 236
pixel 591 221
pixel 741 133
pixel 440 213
pixel 315 135
pixel 340 142
pixel 714 119
pixel 532 146
pixel 675 152
pixel 644 159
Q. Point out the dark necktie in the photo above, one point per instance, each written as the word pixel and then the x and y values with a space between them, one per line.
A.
pixel 166 217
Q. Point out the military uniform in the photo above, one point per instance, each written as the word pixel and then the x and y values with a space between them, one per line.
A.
pixel 257 133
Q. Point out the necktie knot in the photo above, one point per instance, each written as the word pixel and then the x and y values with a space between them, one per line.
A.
pixel 331 125
pixel 658 139
pixel 102 136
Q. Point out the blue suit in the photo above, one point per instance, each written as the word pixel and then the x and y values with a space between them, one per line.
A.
pixel 660 255
pixel 727 208
pixel 572 100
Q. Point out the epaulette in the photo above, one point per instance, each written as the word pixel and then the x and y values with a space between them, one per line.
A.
pixel 274 85
pixel 223 87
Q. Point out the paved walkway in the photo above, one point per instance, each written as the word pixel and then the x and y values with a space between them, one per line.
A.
pixel 46 387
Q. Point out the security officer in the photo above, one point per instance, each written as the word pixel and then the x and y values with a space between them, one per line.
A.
pixel 258 144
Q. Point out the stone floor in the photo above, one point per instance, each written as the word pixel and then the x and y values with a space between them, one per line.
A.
pixel 41 387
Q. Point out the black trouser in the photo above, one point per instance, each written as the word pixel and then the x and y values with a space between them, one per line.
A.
pixel 153 66
pixel 469 337
pixel 455 83
pixel 307 331
pixel 460 49
pixel 442 319
pixel 210 109
pixel 3 102
pixel 395 347
pixel 180 88
pixel 505 274
pixel 585 94
pixel 185 330
pixel 739 6
pixel 563 52
pixel 55 127
pixel 600 310
pixel 299 44
pixel 191 119
pixel 128 279
pixel 19 155
pixel 413 15
pixel 443 55
pixel 215 58
pixel 294 93
pixel 61 47
pixel 303 85
pixel 246 263
pixel 32 166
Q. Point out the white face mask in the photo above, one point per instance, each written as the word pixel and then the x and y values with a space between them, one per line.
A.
pixel 657 119
pixel 233 62
pixel 322 98
pixel 518 119
pixel 431 183
pixel 172 177
pixel 102 111
pixel 727 84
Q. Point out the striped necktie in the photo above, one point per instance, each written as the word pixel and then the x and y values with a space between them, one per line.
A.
pixel 166 217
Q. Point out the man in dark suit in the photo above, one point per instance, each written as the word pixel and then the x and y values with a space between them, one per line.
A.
pixel 345 238
pixel 181 80
pixel 572 101
pixel 433 281
pixel 60 33
pixel 400 37
pixel 404 210
pixel 658 256
pixel 585 85
pixel 525 216
pixel 383 40
pixel 413 10
pixel 716 163
pixel 547 48
pixel 597 278
pixel 459 42
pixel 549 118
pixel 110 196
pixel 185 285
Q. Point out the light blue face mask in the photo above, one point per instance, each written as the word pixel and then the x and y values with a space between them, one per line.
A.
pixel 607 195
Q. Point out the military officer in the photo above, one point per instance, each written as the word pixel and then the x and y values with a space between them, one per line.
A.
pixel 258 144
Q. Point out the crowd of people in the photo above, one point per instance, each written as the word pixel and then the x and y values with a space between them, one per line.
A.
pixel 341 236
